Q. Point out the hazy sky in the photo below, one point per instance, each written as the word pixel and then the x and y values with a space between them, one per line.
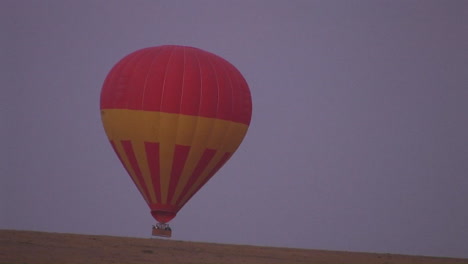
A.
pixel 358 139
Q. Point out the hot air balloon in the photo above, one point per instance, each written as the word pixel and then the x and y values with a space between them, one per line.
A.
pixel 174 115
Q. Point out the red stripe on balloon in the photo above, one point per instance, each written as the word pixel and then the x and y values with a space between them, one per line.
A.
pixel 128 148
pixel 220 163
pixel 121 160
pixel 152 155
pixel 180 156
pixel 118 154
pixel 205 159
pixel 218 166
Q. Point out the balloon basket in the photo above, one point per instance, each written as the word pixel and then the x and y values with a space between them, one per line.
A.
pixel 162 230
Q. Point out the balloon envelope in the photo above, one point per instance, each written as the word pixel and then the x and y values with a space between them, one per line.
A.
pixel 174 115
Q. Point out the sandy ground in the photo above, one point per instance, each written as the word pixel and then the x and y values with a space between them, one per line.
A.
pixel 41 247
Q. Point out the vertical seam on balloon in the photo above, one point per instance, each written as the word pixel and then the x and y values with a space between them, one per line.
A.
pixel 181 94
pixel 155 56
pixel 152 153
pixel 183 82
pixel 164 79
pixel 232 94
pixel 201 86
pixel 181 153
pixel 217 95
pixel 231 85
pixel 160 128
pixel 169 193
pixel 217 84
pixel 134 63
pixel 197 123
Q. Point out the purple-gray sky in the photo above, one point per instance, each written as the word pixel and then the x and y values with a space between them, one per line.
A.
pixel 358 139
